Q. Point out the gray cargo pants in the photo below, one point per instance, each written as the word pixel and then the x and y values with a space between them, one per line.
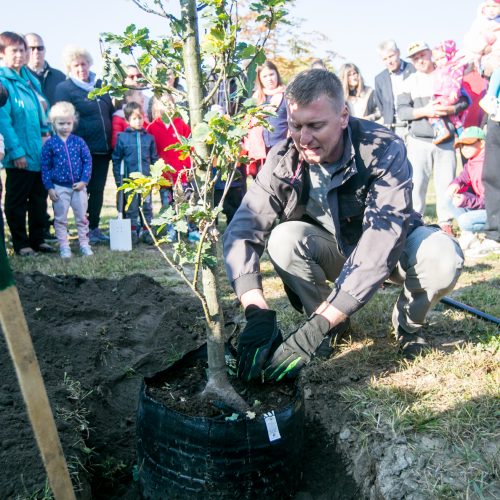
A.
pixel 305 256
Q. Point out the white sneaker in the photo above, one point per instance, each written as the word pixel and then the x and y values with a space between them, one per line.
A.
pixel 65 253
pixel 482 249
pixel 86 251
pixel 467 240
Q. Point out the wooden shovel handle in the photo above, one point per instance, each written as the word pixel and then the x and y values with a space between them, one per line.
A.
pixel 33 390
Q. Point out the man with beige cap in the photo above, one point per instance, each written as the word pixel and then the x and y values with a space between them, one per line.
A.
pixel 416 105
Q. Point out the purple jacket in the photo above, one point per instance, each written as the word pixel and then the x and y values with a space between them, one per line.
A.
pixel 64 163
pixel 471 183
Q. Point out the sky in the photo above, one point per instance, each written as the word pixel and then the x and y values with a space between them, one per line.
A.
pixel 354 28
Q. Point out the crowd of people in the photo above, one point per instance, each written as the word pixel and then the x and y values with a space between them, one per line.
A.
pixel 343 167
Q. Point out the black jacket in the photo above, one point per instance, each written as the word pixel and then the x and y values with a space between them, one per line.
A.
pixel 370 203
pixel 137 150
pixel 94 115
pixel 49 79
pixel 383 92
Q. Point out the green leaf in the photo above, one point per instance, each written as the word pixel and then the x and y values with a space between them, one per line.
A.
pixel 201 132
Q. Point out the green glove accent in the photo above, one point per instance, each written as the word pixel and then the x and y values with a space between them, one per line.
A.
pixel 297 350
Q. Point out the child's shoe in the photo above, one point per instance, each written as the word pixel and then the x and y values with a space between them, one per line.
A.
pixel 171 234
pixel 65 253
pixel 96 236
pixel 467 240
pixel 441 132
pixel 194 236
pixel 86 251
pixel 489 104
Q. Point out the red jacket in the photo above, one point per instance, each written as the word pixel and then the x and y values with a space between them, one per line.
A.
pixel 165 136
pixel 471 183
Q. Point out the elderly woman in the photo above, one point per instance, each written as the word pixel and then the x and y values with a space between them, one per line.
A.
pixel 23 124
pixel 360 99
pixel 94 127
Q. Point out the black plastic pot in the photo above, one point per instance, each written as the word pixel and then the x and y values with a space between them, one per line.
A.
pixel 187 457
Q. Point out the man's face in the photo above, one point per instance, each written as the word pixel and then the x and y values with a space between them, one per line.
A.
pixel 133 77
pixel 423 61
pixel 36 51
pixel 392 60
pixel 317 129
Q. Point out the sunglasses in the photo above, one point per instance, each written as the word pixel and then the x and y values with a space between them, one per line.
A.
pixel 37 47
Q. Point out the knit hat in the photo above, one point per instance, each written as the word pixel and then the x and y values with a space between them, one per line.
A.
pixel 416 47
pixel 469 136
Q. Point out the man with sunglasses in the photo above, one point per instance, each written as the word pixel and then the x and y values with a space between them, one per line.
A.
pixel 48 76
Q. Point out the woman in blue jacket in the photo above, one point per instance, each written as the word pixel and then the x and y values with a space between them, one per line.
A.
pixel 23 124
pixel 94 127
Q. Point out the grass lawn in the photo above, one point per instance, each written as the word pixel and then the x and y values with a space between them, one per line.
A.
pixel 445 406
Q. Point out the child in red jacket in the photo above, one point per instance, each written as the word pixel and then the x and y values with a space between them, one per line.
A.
pixel 165 135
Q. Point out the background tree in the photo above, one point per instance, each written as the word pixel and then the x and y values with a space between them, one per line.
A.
pixel 290 47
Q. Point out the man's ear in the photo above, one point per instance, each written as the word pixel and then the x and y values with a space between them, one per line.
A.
pixel 344 116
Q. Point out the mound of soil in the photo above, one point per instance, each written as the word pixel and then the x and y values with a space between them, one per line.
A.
pixel 95 341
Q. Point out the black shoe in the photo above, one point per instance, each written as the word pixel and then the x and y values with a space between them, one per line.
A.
pixel 45 248
pixel 411 345
pixel 325 349
pixel 26 252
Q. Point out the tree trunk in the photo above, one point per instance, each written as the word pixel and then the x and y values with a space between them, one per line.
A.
pixel 218 386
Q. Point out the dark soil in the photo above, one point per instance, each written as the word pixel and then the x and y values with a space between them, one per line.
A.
pixel 176 390
pixel 95 341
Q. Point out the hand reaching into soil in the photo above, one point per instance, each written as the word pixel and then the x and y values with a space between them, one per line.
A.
pixel 257 342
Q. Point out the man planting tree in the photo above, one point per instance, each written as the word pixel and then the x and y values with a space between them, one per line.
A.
pixel 341 190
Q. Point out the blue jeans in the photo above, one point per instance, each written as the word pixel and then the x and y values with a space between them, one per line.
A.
pixel 472 220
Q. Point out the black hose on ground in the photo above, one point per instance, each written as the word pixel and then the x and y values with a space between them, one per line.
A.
pixel 464 307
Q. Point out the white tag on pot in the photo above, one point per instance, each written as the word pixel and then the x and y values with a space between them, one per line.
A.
pixel 272 426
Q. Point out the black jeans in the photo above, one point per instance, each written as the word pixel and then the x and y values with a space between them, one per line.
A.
pixel 491 181
pixel 24 192
pixel 95 189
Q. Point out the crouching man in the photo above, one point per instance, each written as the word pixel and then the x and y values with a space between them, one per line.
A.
pixel 340 190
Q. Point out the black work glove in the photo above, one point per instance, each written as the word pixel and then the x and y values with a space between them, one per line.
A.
pixel 297 350
pixel 257 341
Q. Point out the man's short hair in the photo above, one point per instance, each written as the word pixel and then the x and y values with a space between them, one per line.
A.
pixel 311 84
pixel 8 38
pixel 130 108
pixel 387 46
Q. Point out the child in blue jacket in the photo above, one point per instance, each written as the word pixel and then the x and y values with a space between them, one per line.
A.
pixel 137 150
pixel 66 170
